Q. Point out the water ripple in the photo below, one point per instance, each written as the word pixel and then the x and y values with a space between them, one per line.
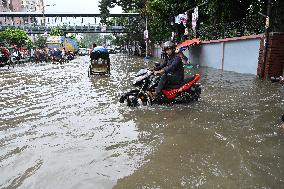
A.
pixel 61 129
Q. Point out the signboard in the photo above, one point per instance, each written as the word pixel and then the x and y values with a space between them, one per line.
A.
pixel 146 34
pixel 194 18
pixel 267 22
pixel 55 39
pixel 103 28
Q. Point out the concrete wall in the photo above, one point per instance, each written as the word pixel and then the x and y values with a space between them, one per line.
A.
pixel 239 54
pixel 242 56
pixel 210 55
pixel 233 54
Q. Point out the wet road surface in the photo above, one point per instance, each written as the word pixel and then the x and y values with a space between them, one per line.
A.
pixel 61 129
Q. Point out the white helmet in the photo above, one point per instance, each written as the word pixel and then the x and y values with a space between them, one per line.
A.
pixel 168 45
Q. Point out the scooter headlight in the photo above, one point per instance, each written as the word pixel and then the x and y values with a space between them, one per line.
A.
pixel 138 79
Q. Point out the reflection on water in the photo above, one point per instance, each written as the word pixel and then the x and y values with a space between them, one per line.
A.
pixel 61 129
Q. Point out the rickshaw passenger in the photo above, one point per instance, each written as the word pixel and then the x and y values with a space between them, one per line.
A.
pixel 100 52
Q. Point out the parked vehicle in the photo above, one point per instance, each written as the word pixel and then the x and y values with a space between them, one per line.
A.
pixel 117 49
pixel 146 81
pixel 70 56
pixel 60 42
pixel 82 51
pixel 111 50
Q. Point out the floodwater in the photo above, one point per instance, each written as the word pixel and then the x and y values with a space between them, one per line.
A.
pixel 61 129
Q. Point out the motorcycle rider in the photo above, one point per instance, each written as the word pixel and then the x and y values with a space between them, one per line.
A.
pixel 4 54
pixel 172 69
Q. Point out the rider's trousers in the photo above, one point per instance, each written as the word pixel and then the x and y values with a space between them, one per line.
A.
pixel 167 80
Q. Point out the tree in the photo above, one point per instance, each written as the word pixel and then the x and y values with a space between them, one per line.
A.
pixel 90 38
pixel 81 44
pixel 15 36
pixel 120 40
pixel 56 31
pixel 72 36
pixel 40 42
pixel 212 13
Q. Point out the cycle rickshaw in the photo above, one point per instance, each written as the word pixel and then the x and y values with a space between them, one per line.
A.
pixel 100 63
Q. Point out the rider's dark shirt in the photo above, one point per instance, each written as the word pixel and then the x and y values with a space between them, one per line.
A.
pixel 173 65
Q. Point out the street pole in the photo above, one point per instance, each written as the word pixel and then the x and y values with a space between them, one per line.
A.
pixel 146 39
pixel 43 16
pixel 266 35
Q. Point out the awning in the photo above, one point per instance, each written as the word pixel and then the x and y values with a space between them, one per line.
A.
pixel 182 46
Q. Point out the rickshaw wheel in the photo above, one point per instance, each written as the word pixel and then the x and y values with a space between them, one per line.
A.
pixel 89 71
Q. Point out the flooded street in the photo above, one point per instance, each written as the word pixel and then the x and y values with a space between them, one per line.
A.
pixel 61 129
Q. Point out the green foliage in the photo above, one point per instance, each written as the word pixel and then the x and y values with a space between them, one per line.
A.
pixel 40 42
pixel 56 31
pixel 120 40
pixel 72 36
pixel 81 44
pixel 90 38
pixel 15 36
pixel 160 13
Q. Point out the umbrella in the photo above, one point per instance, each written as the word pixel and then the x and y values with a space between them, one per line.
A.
pixel 182 46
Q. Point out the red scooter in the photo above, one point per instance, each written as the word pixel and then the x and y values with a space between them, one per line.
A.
pixel 146 81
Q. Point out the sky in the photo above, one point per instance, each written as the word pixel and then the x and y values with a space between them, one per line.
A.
pixel 78 6
pixel 75 6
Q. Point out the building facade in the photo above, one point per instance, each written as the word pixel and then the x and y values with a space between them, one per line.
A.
pixel 34 6
pixel 16 6
pixel 21 6
pixel 5 7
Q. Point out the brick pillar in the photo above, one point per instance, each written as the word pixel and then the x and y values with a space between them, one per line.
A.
pixel 275 55
pixel 260 56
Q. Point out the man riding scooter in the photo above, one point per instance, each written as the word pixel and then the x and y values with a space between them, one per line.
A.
pixel 4 56
pixel 172 70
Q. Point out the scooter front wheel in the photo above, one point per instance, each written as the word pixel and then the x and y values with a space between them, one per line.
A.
pixel 135 98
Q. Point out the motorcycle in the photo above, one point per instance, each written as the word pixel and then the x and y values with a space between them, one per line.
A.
pixel 5 60
pixel 70 56
pixel 58 59
pixel 146 81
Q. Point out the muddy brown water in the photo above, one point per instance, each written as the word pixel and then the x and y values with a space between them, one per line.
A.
pixel 61 129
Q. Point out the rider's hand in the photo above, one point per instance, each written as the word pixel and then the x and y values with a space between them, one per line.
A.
pixel 281 80
pixel 159 72
pixel 156 72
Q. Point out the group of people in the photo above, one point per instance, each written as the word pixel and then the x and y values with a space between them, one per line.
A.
pixel 34 54
pixel 54 54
